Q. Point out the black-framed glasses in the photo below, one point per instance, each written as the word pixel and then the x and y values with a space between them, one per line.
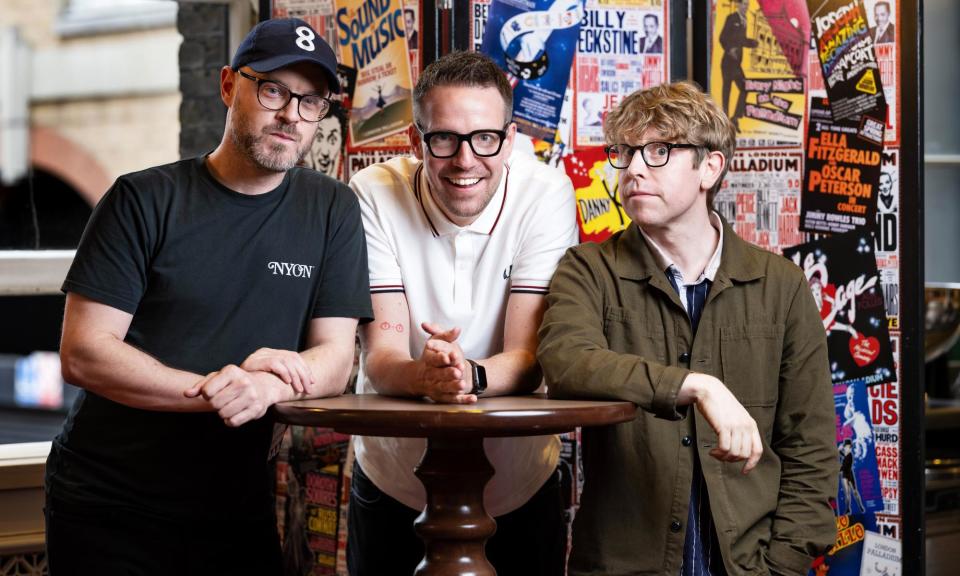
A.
pixel 273 95
pixel 654 154
pixel 483 143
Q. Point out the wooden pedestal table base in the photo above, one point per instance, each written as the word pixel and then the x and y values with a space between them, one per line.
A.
pixel 454 525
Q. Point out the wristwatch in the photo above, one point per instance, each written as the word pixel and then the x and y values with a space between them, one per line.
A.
pixel 479 378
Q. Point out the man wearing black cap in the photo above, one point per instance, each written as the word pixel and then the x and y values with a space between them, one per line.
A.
pixel 203 292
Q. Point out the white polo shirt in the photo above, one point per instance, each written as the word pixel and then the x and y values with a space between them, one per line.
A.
pixel 463 276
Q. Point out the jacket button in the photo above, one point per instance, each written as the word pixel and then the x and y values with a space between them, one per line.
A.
pixel 686 440
pixel 674 526
pixel 685 358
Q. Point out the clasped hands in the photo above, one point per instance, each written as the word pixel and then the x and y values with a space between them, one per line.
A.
pixel 444 374
pixel 243 393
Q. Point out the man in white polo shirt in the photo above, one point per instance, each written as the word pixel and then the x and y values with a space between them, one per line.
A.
pixel 462 243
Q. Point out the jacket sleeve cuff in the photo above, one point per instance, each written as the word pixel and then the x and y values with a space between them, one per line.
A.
pixel 783 559
pixel 666 392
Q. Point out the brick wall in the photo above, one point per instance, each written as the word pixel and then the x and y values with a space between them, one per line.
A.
pixel 204 51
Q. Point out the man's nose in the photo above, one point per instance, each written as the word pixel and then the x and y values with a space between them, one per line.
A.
pixel 464 155
pixel 291 112
pixel 637 164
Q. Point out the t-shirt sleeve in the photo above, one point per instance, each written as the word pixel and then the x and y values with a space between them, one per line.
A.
pixel 553 229
pixel 344 290
pixel 384 264
pixel 111 262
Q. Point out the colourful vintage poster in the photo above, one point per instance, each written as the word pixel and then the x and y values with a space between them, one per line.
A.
pixel 843 277
pixel 357 160
pixel 847 59
pixel 372 39
pixel 595 181
pixel 888 233
pixel 882 17
pixel 753 79
pixel 843 559
pixel 789 23
pixel 479 10
pixel 842 171
pixel 889 73
pixel 309 475
pixel 885 416
pixel 859 487
pixel 760 197
pixel 881 556
pixel 623 47
pixel 534 42
pixel 317 13
pixel 327 152
pixel 412 24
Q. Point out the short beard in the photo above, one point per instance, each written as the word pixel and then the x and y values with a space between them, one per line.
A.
pixel 269 157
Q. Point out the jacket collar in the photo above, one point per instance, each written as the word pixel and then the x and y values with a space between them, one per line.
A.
pixel 636 259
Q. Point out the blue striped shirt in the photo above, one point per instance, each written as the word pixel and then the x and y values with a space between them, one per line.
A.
pixel 701 550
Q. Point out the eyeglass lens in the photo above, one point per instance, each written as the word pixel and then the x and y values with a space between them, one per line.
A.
pixel 275 96
pixel 482 142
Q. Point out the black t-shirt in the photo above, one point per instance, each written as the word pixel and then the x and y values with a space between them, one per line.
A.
pixel 210 276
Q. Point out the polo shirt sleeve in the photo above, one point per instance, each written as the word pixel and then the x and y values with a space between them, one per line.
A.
pixel 372 186
pixel 552 229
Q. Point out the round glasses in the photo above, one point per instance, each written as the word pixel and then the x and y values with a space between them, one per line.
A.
pixel 273 95
pixel 483 143
pixel 654 154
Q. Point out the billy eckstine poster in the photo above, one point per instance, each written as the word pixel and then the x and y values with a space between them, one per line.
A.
pixel 622 47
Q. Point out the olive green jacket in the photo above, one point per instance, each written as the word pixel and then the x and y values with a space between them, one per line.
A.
pixel 615 329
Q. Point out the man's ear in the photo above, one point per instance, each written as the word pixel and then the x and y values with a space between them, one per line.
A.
pixel 228 85
pixel 710 169
pixel 416 142
pixel 508 141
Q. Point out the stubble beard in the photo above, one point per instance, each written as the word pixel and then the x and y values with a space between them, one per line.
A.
pixel 272 157
pixel 463 208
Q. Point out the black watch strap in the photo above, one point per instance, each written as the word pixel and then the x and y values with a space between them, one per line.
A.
pixel 479 378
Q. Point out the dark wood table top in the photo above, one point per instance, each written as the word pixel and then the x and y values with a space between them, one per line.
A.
pixel 375 415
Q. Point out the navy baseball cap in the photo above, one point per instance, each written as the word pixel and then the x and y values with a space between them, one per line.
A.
pixel 277 43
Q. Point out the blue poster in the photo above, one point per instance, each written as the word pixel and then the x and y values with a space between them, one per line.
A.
pixel 844 557
pixel 859 485
pixel 534 42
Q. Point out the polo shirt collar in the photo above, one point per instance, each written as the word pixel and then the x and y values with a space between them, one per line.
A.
pixel 441 225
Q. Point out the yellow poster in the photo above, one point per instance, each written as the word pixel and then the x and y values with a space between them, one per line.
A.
pixel 752 79
pixel 595 181
pixel 371 36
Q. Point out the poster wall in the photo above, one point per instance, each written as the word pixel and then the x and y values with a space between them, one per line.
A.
pixel 812 88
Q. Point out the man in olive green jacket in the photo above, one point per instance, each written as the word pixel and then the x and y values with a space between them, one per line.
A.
pixel 675 311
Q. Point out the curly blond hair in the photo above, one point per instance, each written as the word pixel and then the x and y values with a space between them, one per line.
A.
pixel 677 112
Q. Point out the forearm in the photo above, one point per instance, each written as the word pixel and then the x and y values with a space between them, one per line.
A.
pixel 575 354
pixel 573 370
pixel 511 372
pixel 393 373
pixel 330 366
pixel 116 370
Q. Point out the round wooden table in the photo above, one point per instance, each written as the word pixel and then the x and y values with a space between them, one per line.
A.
pixel 454 525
